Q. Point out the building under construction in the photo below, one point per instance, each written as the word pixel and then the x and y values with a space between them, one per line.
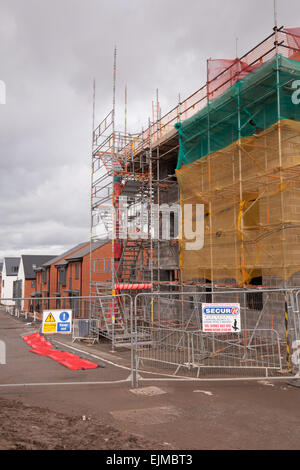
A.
pixel 233 146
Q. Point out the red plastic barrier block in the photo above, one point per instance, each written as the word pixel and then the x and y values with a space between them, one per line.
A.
pixel 41 342
pixel 40 351
pixel 73 361
pixel 34 334
pixel 36 344
pixel 71 364
pixel 32 342
pixel 31 336
pixel 68 355
pixel 38 341
pixel 88 364
pixel 68 360
pixel 56 355
pixel 43 347
pixel 34 339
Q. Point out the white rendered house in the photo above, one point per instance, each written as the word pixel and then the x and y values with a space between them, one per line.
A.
pixel 9 275
pixel 25 284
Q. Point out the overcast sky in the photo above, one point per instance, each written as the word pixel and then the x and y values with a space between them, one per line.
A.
pixel 50 51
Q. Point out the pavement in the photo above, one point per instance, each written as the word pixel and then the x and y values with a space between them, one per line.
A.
pixel 259 414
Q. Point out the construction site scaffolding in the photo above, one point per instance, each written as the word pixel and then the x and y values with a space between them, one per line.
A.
pixel 128 165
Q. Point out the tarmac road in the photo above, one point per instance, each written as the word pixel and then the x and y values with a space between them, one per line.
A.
pixel 183 415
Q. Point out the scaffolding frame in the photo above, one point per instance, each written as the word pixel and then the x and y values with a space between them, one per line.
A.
pixel 120 159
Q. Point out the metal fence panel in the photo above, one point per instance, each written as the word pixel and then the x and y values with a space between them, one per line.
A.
pixel 107 316
pixel 164 331
pixel 173 323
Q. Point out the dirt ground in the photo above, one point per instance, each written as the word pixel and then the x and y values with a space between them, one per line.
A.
pixel 44 405
pixel 26 427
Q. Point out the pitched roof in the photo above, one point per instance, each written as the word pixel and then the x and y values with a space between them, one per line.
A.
pixel 63 255
pixel 80 254
pixel 12 266
pixel 30 262
pixel 63 262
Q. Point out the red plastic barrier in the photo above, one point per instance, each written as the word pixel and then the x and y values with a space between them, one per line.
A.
pixel 88 364
pixel 30 337
pixel 132 286
pixel 41 351
pixel 43 347
pixel 35 343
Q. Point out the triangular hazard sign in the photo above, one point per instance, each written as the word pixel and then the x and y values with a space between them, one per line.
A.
pixel 50 318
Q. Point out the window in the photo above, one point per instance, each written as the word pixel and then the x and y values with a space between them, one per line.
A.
pixel 44 276
pixel 172 225
pixel 14 289
pixel 33 284
pixel 62 276
pixel 108 268
pixel 77 271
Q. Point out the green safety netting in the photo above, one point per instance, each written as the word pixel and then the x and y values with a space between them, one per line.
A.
pixel 249 106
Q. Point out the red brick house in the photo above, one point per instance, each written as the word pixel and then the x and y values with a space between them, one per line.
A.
pixel 25 284
pixel 46 280
pixel 73 274
pixel 68 275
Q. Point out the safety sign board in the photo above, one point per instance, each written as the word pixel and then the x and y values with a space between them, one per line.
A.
pixel 50 318
pixel 57 321
pixel 221 318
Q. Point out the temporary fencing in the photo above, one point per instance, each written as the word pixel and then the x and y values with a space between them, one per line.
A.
pixel 92 317
pixel 177 340
pixel 43 347
pixel 166 332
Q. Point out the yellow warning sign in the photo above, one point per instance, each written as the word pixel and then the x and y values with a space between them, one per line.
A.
pixel 50 318
pixel 49 328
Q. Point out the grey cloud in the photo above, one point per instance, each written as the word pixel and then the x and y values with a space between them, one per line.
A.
pixel 49 54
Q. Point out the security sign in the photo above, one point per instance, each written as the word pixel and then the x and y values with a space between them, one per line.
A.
pixel 221 318
pixel 57 321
